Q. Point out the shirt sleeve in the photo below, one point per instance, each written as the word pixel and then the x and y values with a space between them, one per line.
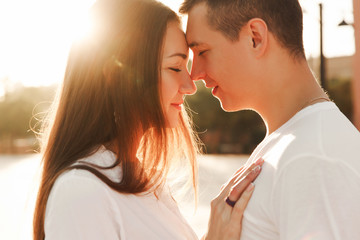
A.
pixel 317 198
pixel 81 208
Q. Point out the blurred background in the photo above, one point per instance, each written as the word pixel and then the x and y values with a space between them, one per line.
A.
pixel 35 37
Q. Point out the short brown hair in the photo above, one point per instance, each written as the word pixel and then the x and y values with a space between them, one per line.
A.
pixel 283 18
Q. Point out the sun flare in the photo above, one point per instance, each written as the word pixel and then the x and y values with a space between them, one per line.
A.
pixel 36 37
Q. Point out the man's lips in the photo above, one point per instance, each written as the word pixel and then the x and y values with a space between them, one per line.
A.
pixel 210 84
pixel 214 90
pixel 213 86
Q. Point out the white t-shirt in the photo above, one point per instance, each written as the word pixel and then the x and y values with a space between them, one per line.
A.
pixel 81 206
pixel 309 187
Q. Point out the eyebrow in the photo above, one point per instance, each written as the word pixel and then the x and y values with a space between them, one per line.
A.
pixel 184 56
pixel 195 44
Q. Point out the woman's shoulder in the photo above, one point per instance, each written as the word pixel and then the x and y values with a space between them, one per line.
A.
pixel 101 157
pixel 76 179
pixel 77 186
pixel 98 160
pixel 83 181
pixel 80 196
pixel 80 190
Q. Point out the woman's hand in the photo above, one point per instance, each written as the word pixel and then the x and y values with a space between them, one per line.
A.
pixel 225 220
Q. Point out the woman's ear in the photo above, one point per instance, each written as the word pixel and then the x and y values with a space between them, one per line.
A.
pixel 259 34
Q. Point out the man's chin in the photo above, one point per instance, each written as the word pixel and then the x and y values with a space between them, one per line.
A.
pixel 228 106
pixel 230 109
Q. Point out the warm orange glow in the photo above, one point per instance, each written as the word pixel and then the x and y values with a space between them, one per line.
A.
pixel 36 35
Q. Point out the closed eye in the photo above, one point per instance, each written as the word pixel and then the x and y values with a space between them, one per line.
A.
pixel 175 69
pixel 202 52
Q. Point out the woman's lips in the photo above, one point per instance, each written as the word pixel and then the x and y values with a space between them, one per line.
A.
pixel 178 106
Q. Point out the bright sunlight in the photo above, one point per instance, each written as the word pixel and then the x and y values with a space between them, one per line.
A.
pixel 36 36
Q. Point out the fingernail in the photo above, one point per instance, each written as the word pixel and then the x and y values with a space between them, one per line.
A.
pixel 250 187
pixel 256 170
pixel 259 161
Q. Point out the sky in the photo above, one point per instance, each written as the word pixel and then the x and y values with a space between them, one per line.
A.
pixel 35 36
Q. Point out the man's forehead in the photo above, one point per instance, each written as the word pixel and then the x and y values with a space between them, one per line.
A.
pixel 196 24
pixel 197 37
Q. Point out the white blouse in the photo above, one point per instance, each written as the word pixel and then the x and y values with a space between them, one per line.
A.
pixel 81 206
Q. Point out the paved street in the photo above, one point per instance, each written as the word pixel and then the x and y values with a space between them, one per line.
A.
pixel 19 177
pixel 214 171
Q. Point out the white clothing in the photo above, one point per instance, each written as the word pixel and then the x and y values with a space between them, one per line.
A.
pixel 309 187
pixel 81 206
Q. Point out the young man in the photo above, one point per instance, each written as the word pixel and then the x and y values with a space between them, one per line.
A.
pixel 251 54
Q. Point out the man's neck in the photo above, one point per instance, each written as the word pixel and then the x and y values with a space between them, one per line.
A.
pixel 292 90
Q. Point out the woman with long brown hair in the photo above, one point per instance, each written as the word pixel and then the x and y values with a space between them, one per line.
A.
pixel 118 127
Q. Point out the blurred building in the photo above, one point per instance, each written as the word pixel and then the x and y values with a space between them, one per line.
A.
pixel 339 69
pixel 336 68
pixel 356 65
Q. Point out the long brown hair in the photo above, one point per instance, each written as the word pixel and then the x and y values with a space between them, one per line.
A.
pixel 110 94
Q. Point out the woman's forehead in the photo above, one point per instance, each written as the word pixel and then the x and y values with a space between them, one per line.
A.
pixel 174 41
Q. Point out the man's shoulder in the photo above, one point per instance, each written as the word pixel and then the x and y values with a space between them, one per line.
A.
pixel 319 125
pixel 326 132
pixel 321 132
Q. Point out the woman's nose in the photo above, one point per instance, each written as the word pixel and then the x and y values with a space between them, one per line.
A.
pixel 197 72
pixel 188 86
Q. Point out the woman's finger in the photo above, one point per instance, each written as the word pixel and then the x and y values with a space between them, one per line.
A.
pixel 237 178
pixel 233 177
pixel 241 204
pixel 225 221
pixel 240 186
pixel 248 169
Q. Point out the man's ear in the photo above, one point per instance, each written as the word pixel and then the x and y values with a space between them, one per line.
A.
pixel 258 32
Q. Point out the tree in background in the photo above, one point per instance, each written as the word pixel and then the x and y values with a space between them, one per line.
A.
pixel 221 132
pixel 224 132
pixel 241 132
pixel 339 91
pixel 18 111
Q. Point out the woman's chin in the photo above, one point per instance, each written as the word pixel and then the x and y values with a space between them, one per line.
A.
pixel 172 123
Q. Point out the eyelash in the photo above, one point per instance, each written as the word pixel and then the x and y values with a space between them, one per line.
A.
pixel 202 52
pixel 175 69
